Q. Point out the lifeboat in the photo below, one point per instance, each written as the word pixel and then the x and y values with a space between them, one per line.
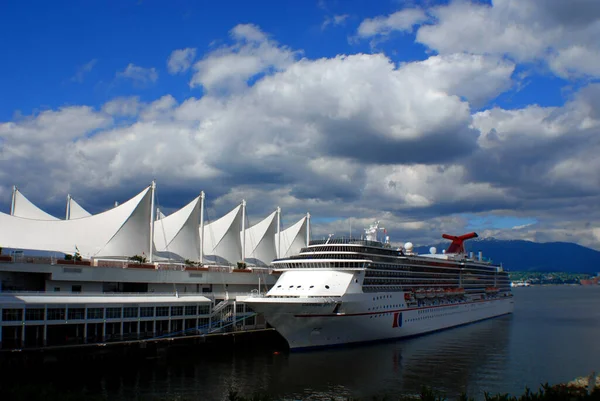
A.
pixel 420 293
pixel 491 290
pixel 440 293
pixel 431 293
pixel 459 291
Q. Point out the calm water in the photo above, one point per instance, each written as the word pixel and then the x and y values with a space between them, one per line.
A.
pixel 553 336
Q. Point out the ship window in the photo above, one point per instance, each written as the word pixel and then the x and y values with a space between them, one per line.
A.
pixel 299 286
pixel 327 286
pixel 291 286
pixel 312 286
pixel 279 286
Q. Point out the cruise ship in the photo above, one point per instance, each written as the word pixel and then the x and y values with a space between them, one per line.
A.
pixel 342 291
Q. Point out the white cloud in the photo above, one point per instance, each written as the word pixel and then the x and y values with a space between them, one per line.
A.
pixel 474 77
pixel 123 106
pixel 403 20
pixel 356 137
pixel 139 75
pixel 336 20
pixel 526 31
pixel 181 60
pixel 231 67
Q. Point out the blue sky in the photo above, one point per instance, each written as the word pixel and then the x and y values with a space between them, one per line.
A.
pixel 65 52
pixel 434 116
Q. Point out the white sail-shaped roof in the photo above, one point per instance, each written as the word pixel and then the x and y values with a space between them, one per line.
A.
pixel 292 239
pixel 120 232
pixel 178 233
pixel 260 241
pixel 24 208
pixel 222 238
pixel 75 210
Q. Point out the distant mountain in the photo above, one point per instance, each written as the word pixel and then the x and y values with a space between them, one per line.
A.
pixel 519 255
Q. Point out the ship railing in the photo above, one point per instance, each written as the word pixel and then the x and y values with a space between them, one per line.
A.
pixel 356 241
pixel 104 294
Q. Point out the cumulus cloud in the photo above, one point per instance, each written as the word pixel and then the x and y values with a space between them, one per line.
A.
pixel 355 137
pixel 181 60
pixel 476 78
pixel 545 156
pixel 560 33
pixel 403 20
pixel 139 75
pixel 231 67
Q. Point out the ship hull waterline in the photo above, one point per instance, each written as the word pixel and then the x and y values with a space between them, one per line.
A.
pixel 311 323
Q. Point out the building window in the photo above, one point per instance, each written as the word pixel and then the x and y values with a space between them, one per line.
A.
pixel 147 311
pixel 191 310
pixel 162 311
pixel 95 313
pixel 34 314
pixel 76 313
pixel 176 310
pixel 56 314
pixel 113 313
pixel 11 315
pixel 204 309
pixel 75 288
pixel 56 289
pixel 130 312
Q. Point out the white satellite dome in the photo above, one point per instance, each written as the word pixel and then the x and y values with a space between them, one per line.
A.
pixel 408 246
pixel 432 250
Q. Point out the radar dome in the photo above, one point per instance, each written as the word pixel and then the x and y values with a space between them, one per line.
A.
pixel 408 246
pixel 432 250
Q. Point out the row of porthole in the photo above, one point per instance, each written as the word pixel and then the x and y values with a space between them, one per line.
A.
pixel 430 316
pixel 381 315
pixel 433 310
pixel 291 286
pixel 387 306
pixel 381 297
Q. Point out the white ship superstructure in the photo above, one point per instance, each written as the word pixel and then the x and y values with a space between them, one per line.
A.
pixel 340 291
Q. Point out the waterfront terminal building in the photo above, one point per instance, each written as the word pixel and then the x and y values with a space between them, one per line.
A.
pixel 131 273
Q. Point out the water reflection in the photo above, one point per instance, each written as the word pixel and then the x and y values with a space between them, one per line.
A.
pixel 552 336
pixel 448 361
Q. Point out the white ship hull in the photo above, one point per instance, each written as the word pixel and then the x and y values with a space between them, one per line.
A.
pixel 320 322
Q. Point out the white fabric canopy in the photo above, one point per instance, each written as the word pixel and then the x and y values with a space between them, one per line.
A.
pixel 178 233
pixel 221 242
pixel 75 210
pixel 260 241
pixel 24 208
pixel 120 232
pixel 292 239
